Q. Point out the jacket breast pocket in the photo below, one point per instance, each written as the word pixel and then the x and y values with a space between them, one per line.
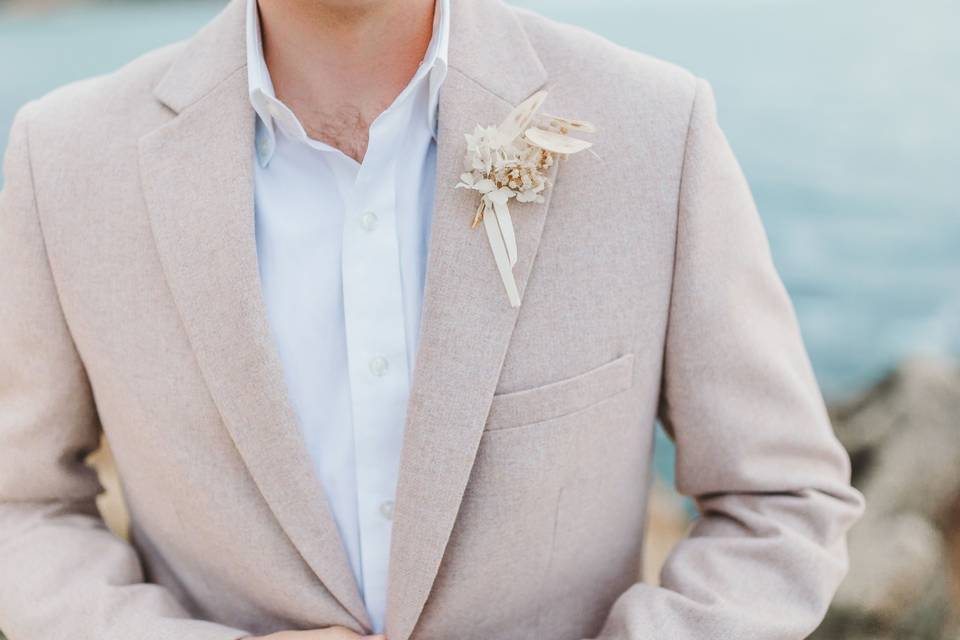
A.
pixel 564 397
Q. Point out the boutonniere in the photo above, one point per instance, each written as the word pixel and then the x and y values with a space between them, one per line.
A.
pixel 511 162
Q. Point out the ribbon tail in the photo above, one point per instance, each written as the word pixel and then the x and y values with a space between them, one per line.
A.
pixel 500 256
pixel 506 229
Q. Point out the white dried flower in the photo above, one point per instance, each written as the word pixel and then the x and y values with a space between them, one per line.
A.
pixel 511 161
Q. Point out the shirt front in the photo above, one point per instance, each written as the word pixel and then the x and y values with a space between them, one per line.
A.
pixel 342 252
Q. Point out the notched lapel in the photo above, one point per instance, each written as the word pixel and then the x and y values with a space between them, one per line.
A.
pixel 197 173
pixel 467 319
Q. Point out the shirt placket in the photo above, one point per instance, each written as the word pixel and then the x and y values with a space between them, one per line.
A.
pixel 376 348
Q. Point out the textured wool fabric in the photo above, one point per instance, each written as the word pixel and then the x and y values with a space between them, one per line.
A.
pixel 130 303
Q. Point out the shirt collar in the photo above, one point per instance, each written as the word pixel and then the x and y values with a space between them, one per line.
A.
pixel 271 112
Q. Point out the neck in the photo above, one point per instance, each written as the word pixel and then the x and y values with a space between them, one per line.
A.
pixel 339 63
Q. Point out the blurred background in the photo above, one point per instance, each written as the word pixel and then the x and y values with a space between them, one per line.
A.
pixel 844 116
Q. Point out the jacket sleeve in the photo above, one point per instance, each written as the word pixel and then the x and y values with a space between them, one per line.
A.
pixel 755 448
pixel 63 574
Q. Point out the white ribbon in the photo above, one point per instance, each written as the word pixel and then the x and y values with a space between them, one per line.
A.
pixel 503 244
pixel 506 229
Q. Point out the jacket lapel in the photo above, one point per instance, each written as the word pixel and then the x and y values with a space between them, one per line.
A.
pixel 467 320
pixel 197 173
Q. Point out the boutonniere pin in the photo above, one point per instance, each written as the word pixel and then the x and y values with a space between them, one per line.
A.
pixel 511 162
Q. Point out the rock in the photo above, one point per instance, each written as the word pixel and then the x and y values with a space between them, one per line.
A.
pixel 888 571
pixel 904 439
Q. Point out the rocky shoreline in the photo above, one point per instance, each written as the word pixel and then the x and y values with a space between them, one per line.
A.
pixel 903 436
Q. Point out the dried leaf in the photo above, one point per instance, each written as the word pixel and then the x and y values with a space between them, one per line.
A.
pixel 556 142
pixel 569 123
pixel 521 117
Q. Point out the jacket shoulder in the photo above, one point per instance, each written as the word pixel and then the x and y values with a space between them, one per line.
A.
pixel 84 132
pixel 642 106
pixel 109 102
pixel 578 57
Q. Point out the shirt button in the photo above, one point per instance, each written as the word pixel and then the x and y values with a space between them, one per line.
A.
pixel 368 221
pixel 379 366
pixel 386 509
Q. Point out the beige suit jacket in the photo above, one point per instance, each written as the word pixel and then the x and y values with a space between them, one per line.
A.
pixel 130 303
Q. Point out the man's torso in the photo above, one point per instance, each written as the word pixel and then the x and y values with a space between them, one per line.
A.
pixel 530 430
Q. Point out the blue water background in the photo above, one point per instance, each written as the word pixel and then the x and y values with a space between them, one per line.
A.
pixel 843 114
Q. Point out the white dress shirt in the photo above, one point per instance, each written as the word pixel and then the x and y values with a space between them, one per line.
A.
pixel 342 249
